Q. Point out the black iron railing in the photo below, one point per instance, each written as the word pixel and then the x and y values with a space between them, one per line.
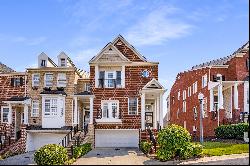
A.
pixel 109 83
pixel 5 140
pixel 114 114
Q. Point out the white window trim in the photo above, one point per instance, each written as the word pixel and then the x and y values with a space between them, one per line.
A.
pixel 2 114
pixel 87 88
pixel 184 106
pixel 33 84
pixel 178 95
pixel 109 106
pixel 136 106
pixel 58 78
pixel 32 110
pixel 45 79
pixel 204 81
pixel 50 98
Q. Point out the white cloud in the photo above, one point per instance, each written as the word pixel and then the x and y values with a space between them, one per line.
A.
pixel 157 27
pixel 22 39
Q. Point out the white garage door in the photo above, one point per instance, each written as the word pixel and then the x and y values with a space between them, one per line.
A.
pixel 37 140
pixel 116 138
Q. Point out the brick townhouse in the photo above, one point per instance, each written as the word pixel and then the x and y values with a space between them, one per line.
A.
pixel 13 89
pixel 224 83
pixel 115 102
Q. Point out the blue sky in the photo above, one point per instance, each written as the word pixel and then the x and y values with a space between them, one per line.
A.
pixel 177 33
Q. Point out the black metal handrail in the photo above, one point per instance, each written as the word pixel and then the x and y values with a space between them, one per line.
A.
pixel 65 141
pixel 103 83
pixel 114 112
pixel 4 142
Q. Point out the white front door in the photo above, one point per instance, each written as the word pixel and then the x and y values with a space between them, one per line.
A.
pixel 116 138
pixel 53 109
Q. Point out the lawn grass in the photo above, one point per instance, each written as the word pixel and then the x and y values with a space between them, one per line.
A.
pixel 221 148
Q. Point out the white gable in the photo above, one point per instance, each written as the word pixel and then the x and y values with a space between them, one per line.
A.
pixel 153 84
pixel 109 54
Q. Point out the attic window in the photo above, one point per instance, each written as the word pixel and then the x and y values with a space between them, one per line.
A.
pixel 119 43
pixel 110 49
pixel 63 62
pixel 43 63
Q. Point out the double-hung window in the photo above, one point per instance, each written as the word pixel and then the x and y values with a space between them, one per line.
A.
pixel 110 79
pixel 110 109
pixel 35 79
pixel 189 91
pixel 35 108
pixel 194 87
pixel 87 87
pixel 179 94
pixel 184 101
pixel 204 81
pixel 63 62
pixel 132 106
pixel 50 106
pixel 48 80
pixel 61 80
pixel 5 114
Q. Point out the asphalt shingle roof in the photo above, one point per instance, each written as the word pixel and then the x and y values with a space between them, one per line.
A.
pixel 5 69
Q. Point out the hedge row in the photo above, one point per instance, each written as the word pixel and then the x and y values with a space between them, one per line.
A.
pixel 233 131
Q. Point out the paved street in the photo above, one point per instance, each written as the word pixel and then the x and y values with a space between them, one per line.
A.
pixel 132 156
pixel 22 159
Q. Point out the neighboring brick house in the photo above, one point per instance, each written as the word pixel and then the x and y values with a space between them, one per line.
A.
pixel 225 85
pixel 13 89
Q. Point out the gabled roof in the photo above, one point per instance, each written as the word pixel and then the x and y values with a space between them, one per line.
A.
pixel 107 48
pixel 153 84
pixel 5 69
pixel 129 46
pixel 224 60
pixel 49 59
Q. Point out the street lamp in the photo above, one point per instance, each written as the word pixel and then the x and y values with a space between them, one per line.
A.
pixel 200 97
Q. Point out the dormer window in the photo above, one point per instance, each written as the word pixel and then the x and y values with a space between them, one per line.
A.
pixel 43 63
pixel 63 62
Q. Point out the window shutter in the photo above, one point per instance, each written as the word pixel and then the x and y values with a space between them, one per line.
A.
pixel 21 81
pixel 214 78
pixel 223 77
pixel 118 77
pixel 102 75
pixel 12 81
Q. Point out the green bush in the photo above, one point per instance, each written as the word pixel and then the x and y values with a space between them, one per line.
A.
pixel 233 131
pixel 51 154
pixel 81 150
pixel 175 141
pixel 197 149
pixel 145 146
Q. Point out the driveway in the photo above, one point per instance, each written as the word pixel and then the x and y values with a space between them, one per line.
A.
pixel 133 156
pixel 22 159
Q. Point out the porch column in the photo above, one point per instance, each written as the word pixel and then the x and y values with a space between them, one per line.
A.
pixel 155 111
pixel 25 114
pixel 143 111
pixel 96 76
pixel 91 105
pixel 10 114
pixel 75 111
pixel 236 106
pixel 123 76
pixel 211 99
pixel 220 96
pixel 161 110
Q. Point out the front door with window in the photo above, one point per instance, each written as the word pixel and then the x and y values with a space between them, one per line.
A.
pixel 53 109
pixel 149 119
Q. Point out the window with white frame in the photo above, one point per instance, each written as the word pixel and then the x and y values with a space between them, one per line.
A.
pixel 132 106
pixel 35 79
pixel 110 109
pixel 22 118
pixel 63 62
pixel 50 106
pixel 184 106
pixel 5 114
pixel 87 87
pixel 48 80
pixel 195 113
pixel 110 79
pixel 204 81
pixel 189 91
pixel 179 94
pixel 61 80
pixel 35 108
pixel 184 101
pixel 194 87
pixel 184 94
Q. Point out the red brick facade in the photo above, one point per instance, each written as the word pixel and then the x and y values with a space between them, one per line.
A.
pixel 234 70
